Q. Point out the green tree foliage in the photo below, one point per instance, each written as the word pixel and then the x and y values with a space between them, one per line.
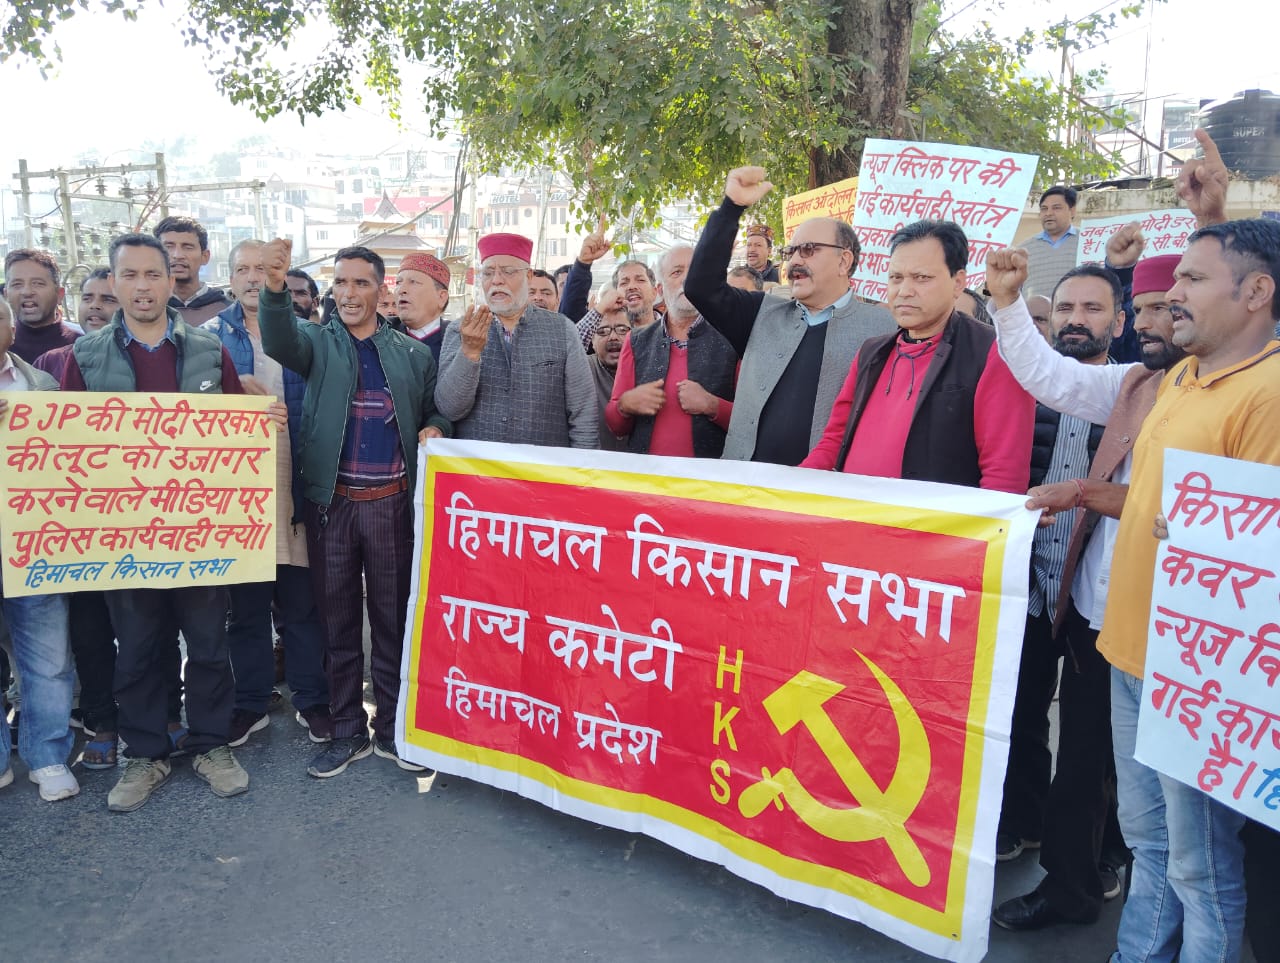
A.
pixel 639 101
pixel 975 89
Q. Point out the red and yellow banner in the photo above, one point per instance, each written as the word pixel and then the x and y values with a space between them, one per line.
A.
pixel 804 676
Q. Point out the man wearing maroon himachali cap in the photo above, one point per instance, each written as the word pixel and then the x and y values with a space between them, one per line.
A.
pixel 1121 396
pixel 422 294
pixel 513 372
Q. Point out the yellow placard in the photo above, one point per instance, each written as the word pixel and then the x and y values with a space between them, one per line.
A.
pixel 835 200
pixel 136 490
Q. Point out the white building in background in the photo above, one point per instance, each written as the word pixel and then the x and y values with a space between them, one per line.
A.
pixel 325 238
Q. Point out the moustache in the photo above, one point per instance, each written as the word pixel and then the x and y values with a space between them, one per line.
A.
pixel 1075 329
pixel 799 272
pixel 1178 311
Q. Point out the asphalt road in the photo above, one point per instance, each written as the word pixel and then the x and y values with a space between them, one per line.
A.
pixel 378 864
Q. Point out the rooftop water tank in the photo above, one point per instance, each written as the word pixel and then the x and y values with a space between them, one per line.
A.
pixel 1246 129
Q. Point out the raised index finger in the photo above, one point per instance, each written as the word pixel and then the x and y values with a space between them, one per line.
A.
pixel 603 224
pixel 1211 153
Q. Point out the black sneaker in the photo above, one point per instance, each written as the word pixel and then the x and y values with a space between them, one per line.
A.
pixel 338 754
pixel 244 722
pixel 1009 846
pixel 77 722
pixel 386 748
pixel 315 719
pixel 1111 885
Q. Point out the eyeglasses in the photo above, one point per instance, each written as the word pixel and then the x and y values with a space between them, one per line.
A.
pixel 507 273
pixel 806 250
pixel 621 330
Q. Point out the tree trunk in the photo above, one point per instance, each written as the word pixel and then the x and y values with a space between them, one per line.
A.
pixel 877 35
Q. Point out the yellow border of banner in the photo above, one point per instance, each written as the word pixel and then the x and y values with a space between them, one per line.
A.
pixel 992 531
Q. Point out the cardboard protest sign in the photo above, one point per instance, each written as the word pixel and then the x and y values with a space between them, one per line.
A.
pixel 1210 713
pixel 136 490
pixel 835 200
pixel 1166 233
pixel 900 182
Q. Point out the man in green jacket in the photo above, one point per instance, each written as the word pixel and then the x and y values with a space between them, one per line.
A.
pixel 370 399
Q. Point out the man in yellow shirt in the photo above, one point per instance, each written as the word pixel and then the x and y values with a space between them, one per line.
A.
pixel 1187 895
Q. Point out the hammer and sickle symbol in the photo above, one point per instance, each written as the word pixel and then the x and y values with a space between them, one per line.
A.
pixel 880 814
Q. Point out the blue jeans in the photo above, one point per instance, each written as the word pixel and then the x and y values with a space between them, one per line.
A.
pixel 1187 893
pixel 38 630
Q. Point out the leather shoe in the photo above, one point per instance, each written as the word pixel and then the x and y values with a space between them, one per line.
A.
pixel 1030 912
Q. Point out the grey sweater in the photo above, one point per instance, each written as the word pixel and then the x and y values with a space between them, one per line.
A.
pixel 537 390
pixel 1046 265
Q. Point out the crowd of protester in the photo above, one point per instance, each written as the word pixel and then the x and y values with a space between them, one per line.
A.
pixel 1045 383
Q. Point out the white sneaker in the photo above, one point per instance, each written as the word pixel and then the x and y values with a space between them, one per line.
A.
pixel 55 782
pixel 6 777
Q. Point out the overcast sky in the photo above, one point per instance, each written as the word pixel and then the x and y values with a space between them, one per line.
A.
pixel 122 83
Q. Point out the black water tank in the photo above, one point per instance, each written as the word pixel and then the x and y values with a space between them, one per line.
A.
pixel 1246 129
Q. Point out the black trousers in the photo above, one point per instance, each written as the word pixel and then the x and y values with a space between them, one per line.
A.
pixel 250 642
pixel 344 540
pixel 1074 814
pixel 144 620
pixel 93 646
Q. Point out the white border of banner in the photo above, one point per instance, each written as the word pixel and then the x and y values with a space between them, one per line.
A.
pixel 972 942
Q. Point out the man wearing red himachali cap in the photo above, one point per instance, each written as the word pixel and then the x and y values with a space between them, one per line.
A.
pixel 422 294
pixel 513 372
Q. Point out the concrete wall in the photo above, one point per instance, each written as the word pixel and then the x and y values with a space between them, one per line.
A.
pixel 1244 199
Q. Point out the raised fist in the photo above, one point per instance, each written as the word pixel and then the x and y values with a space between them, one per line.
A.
pixel 1006 273
pixel 277 255
pixel 746 185
pixel 1124 247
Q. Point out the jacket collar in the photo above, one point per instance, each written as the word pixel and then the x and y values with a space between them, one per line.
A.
pixel 234 316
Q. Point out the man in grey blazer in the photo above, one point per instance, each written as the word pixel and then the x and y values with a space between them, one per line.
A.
pixel 795 352
pixel 513 372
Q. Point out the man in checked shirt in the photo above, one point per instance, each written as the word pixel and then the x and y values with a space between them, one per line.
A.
pixel 370 400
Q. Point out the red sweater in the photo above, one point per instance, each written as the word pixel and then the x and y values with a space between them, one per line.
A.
pixel 154 370
pixel 1002 425
pixel 672 426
